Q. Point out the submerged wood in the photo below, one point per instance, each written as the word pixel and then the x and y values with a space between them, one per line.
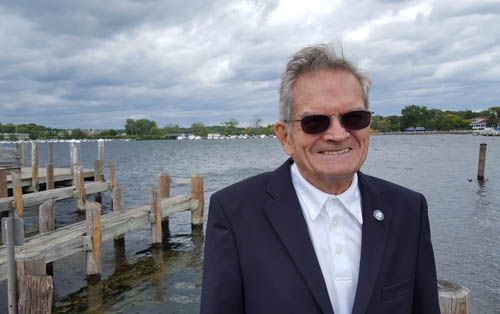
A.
pixel 68 240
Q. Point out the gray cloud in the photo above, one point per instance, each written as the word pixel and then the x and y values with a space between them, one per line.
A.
pixel 93 64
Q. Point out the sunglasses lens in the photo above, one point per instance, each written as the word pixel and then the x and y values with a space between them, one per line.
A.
pixel 356 120
pixel 315 124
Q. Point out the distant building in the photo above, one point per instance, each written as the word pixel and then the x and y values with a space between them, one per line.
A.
pixel 20 136
pixel 213 136
pixel 479 123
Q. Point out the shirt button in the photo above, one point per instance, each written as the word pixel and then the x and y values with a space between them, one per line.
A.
pixel 335 223
pixel 339 250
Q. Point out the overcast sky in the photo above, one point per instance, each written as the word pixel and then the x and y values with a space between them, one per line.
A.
pixel 93 63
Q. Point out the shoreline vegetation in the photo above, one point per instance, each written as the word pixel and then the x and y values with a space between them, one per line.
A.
pixel 419 118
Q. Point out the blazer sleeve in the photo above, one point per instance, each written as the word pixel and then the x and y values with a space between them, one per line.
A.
pixel 222 289
pixel 425 297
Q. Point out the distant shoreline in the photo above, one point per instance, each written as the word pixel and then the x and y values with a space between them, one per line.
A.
pixel 424 132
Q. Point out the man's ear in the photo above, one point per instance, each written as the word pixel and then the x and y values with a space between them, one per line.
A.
pixel 281 130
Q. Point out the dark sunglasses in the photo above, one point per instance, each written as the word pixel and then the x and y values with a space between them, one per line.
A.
pixel 318 123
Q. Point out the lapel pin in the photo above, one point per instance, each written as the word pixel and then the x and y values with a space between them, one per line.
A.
pixel 378 215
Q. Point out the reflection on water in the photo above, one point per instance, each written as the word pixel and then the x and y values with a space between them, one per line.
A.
pixel 160 278
pixel 464 215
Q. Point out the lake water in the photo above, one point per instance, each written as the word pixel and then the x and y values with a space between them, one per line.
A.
pixel 464 216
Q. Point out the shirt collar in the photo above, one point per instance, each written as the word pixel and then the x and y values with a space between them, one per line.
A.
pixel 314 198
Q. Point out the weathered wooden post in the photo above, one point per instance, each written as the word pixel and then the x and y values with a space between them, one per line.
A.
pixel 71 151
pixel 164 182
pixel 3 189
pixel 117 199
pixel 79 189
pixel 197 193
pixel 155 217
pixel 47 212
pixel 453 298
pixel 17 189
pixel 47 223
pixel 35 288
pixel 482 162
pixel 92 241
pixel 74 155
pixel 51 153
pixel 49 176
pixel 24 153
pixel 98 177
pixel 100 150
pixel 34 167
pixel 112 174
pixel 3 183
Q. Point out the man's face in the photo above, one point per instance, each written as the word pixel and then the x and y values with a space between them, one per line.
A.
pixel 327 160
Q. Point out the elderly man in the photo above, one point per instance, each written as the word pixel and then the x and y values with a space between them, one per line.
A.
pixel 316 235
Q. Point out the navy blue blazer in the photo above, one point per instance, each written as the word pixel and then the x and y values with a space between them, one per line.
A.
pixel 259 257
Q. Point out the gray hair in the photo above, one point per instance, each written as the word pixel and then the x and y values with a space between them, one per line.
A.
pixel 312 58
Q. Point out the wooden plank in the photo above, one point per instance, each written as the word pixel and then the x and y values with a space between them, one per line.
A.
pixel 68 240
pixel 57 194
pixel 181 181
pixel 197 193
pixel 34 167
pixel 60 174
pixel 49 169
pixel 94 231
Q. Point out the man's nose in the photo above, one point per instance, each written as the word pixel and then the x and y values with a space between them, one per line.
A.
pixel 336 131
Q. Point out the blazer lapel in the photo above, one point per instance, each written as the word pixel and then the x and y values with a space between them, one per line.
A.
pixel 286 217
pixel 373 241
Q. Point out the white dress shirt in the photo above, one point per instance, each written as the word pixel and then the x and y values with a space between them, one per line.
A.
pixel 334 223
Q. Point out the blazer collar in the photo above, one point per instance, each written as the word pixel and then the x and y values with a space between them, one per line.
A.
pixel 285 215
pixel 373 240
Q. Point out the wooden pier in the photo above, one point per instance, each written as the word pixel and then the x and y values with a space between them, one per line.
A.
pixel 62 176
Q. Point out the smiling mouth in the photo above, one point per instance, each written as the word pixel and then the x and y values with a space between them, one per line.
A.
pixel 335 152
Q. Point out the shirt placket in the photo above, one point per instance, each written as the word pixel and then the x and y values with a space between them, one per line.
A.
pixel 342 270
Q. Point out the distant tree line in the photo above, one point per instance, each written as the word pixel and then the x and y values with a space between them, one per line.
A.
pixel 143 129
pixel 432 119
